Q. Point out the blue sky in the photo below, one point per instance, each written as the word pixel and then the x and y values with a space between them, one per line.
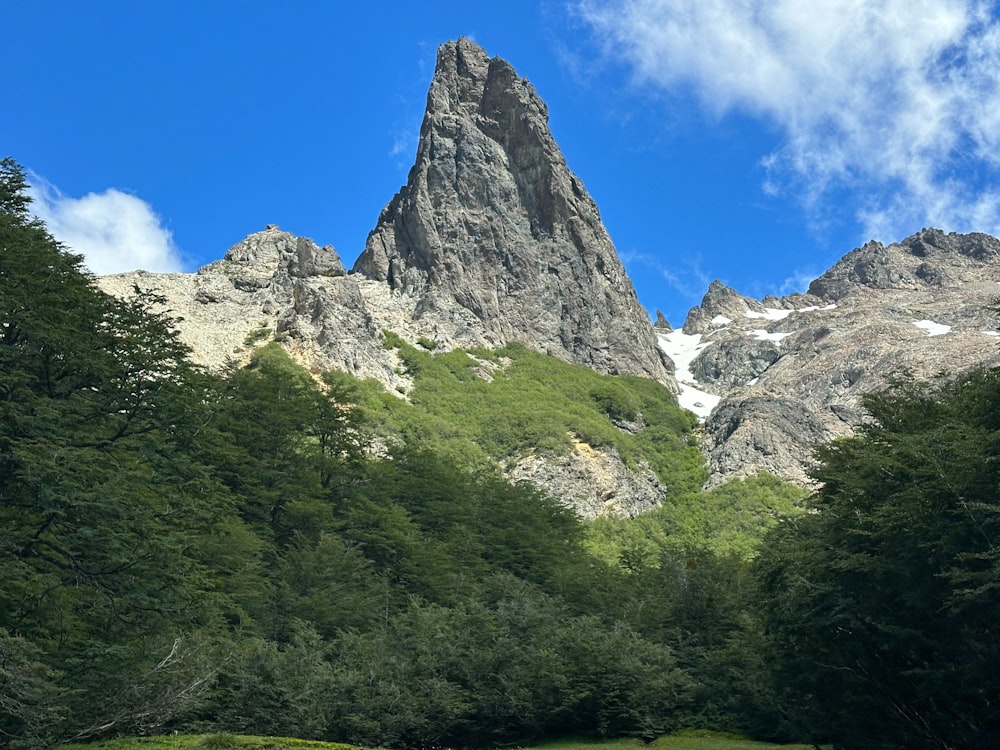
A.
pixel 753 141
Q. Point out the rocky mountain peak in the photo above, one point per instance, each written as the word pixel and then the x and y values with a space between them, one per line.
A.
pixel 492 218
pixel 467 81
pixel 928 259
pixel 720 304
pixel 271 251
pixel 792 372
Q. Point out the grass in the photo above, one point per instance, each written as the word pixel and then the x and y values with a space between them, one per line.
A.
pixel 686 740
pixel 208 742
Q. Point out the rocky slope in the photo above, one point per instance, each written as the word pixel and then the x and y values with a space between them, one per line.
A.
pixel 789 373
pixel 275 286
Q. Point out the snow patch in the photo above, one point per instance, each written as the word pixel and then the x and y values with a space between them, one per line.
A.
pixel 682 348
pixel 762 335
pixel 721 320
pixel 932 328
pixel 770 313
pixel 773 313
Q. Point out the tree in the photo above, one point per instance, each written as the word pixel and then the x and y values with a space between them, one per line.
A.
pixel 101 505
pixel 14 198
pixel 284 445
pixel 882 604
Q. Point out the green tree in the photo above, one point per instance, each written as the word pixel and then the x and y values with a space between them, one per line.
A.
pixel 101 507
pixel 32 702
pixel 510 665
pixel 881 605
pixel 285 445
pixel 327 583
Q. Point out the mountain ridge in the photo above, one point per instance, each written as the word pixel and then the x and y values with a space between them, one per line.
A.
pixel 493 240
pixel 793 372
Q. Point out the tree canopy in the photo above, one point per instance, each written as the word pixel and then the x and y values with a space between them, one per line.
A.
pixel 882 604
pixel 273 551
pixel 186 550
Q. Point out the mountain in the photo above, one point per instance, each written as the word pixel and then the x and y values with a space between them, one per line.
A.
pixel 789 373
pixel 494 241
pixel 492 218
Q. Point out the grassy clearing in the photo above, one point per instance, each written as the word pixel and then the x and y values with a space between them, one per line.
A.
pixel 208 742
pixel 687 740
pixel 692 739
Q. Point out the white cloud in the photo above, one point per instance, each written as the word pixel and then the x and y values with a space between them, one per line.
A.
pixel 897 101
pixel 687 278
pixel 404 144
pixel 798 282
pixel 113 231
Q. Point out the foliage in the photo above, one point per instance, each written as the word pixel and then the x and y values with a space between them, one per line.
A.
pixel 513 666
pixel 258 334
pixel 881 604
pixel 101 525
pixel 694 739
pixel 546 404
pixel 731 518
pixel 221 741
pixel 248 553
pixel 684 740
pixel 31 698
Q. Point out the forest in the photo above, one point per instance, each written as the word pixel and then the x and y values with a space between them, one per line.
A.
pixel 276 552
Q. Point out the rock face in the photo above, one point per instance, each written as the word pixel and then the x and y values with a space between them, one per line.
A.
pixel 492 218
pixel 791 372
pixel 273 285
pixel 594 482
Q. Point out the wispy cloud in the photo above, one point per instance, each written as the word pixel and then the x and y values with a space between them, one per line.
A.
pixel 895 101
pixel 404 143
pixel 113 231
pixel 799 281
pixel 409 105
pixel 687 278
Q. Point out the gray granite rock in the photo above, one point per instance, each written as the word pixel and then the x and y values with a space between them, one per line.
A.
pixel 793 371
pixel 593 482
pixel 492 218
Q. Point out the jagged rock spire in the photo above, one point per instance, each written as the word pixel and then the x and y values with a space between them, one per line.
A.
pixel 492 217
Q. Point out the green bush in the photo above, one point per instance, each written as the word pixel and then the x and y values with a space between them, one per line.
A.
pixel 534 403
pixel 258 334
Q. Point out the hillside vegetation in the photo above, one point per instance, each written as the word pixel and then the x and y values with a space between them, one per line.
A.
pixel 259 553
pixel 514 402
